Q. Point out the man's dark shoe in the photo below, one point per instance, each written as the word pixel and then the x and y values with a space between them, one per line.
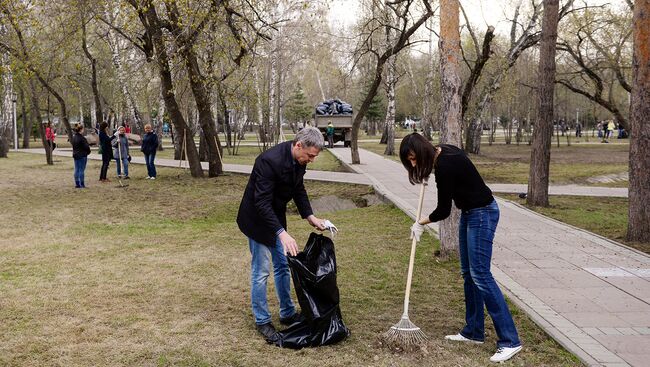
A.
pixel 268 331
pixel 297 317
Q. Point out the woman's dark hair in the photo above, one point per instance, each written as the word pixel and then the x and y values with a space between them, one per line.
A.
pixel 78 127
pixel 424 153
pixel 103 126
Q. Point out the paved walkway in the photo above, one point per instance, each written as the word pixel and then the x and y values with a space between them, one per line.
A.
pixel 591 294
pixel 328 176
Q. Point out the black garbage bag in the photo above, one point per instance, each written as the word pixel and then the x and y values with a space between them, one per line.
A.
pixel 314 278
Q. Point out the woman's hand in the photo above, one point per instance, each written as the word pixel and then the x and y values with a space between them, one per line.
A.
pixel 416 231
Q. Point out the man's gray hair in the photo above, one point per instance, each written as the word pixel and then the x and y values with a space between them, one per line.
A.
pixel 310 137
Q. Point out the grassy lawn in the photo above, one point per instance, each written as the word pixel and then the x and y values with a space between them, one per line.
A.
pixel 500 163
pixel 156 274
pixel 602 215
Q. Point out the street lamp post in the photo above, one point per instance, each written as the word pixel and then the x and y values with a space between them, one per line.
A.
pixel 14 98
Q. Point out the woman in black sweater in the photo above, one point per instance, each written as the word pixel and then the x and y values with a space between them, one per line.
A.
pixel 457 179
pixel 80 151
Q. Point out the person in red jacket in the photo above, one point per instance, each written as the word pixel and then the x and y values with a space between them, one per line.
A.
pixel 50 135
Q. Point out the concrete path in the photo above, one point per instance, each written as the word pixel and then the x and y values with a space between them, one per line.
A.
pixel 328 176
pixel 591 294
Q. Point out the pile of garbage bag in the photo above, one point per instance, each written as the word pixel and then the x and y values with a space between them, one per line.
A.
pixel 334 107
pixel 314 278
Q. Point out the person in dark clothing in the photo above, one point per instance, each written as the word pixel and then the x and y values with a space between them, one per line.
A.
pixel 458 180
pixel 277 177
pixel 107 151
pixel 80 151
pixel 149 148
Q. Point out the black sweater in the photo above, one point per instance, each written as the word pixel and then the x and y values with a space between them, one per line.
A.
pixel 458 179
pixel 80 147
pixel 149 143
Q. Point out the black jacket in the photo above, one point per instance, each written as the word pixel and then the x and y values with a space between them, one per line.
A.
pixel 80 147
pixel 149 143
pixel 276 179
pixel 457 179
pixel 105 143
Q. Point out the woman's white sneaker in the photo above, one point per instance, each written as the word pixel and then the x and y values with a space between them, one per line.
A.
pixel 504 353
pixel 460 338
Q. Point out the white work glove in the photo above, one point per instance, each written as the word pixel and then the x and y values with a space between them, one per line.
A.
pixel 416 231
pixel 330 226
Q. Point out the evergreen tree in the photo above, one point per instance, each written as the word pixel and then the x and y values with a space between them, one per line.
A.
pixel 298 109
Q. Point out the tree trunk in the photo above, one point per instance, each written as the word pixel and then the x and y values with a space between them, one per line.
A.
pixel 450 111
pixel 97 105
pixel 36 110
pixel 200 92
pixel 391 80
pixel 122 78
pixel 27 123
pixel 183 132
pixel 427 113
pixel 540 155
pixel 160 117
pixel 638 228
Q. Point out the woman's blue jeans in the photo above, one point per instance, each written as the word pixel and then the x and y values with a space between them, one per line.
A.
pixel 260 270
pixel 79 169
pixel 476 233
pixel 125 162
pixel 151 168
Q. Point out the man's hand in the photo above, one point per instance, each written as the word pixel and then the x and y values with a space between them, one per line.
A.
pixel 288 243
pixel 317 223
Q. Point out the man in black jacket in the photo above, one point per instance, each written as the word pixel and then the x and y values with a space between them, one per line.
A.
pixel 277 177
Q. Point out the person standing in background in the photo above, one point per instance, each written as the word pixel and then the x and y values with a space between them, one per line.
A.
pixel 149 148
pixel 107 151
pixel 80 151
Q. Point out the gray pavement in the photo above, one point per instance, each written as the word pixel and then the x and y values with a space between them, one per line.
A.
pixel 327 176
pixel 589 293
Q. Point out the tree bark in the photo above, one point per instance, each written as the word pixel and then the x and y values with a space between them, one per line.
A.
pixel 540 155
pixel 97 105
pixel 638 228
pixel 36 110
pixel 183 133
pixel 391 80
pixel 200 92
pixel 27 123
pixel 450 111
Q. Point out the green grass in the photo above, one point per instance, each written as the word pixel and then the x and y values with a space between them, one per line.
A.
pixel 158 274
pixel 602 215
pixel 501 163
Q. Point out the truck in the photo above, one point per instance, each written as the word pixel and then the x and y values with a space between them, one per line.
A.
pixel 342 127
pixel 340 114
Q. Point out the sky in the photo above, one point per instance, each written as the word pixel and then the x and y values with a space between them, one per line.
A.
pixel 480 12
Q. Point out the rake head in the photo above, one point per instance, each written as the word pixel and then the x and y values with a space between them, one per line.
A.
pixel 404 333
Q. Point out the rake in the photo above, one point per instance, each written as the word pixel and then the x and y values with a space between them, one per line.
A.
pixel 405 332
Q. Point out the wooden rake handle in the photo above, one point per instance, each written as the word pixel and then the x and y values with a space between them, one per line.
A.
pixel 409 277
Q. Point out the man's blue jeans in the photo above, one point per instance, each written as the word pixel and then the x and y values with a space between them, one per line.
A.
pixel 151 168
pixel 125 162
pixel 476 233
pixel 260 270
pixel 79 169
